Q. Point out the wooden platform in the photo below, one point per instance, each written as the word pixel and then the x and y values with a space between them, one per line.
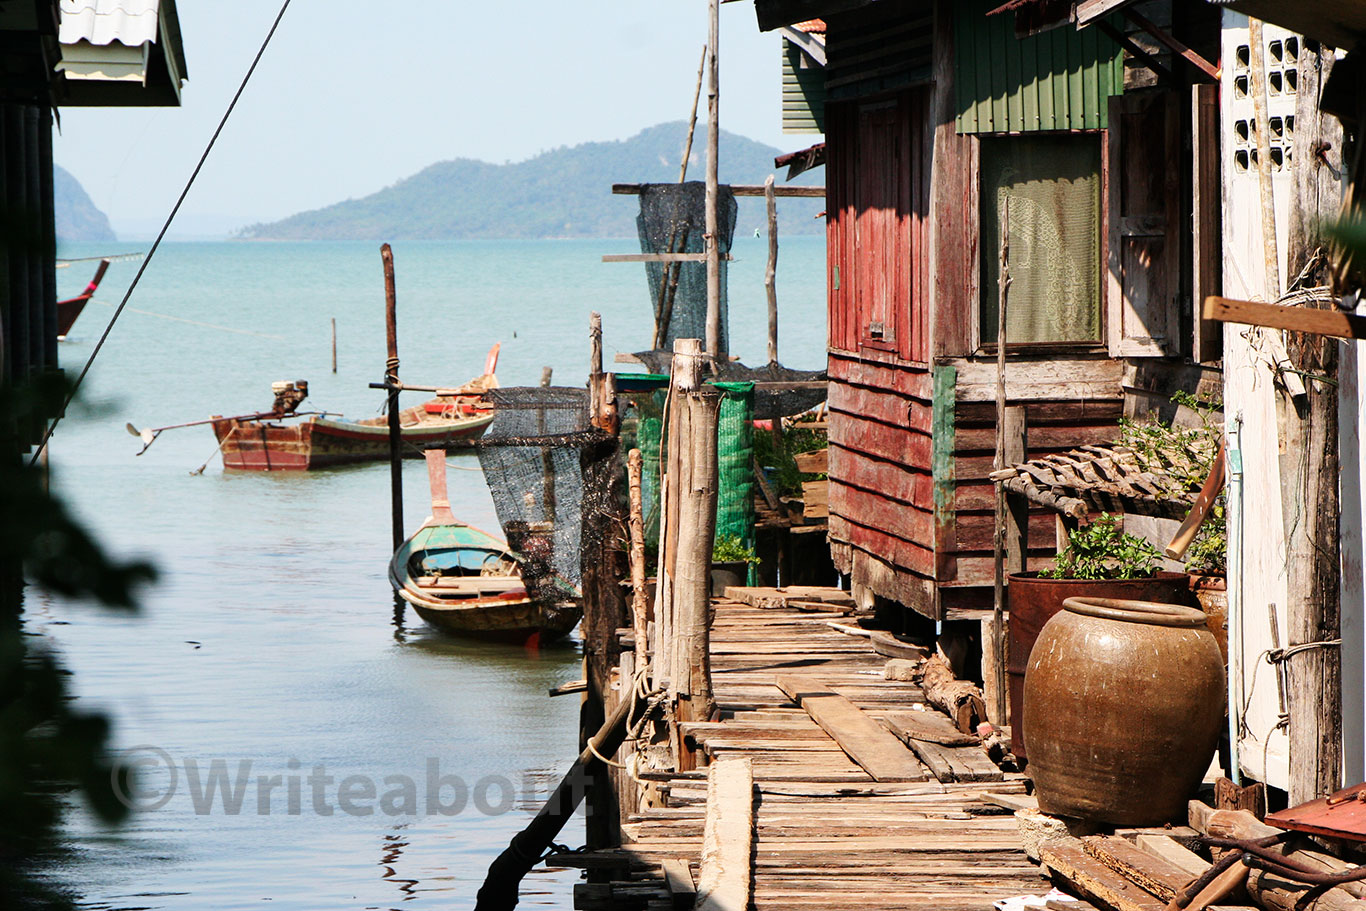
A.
pixel 826 833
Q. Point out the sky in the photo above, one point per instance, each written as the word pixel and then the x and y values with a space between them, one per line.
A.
pixel 352 97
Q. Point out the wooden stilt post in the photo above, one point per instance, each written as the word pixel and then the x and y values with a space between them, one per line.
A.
pixel 997 659
pixel 697 411
pixel 714 341
pixel 334 344
pixel 386 255
pixel 1310 466
pixel 771 272
pixel 603 569
pixel 639 601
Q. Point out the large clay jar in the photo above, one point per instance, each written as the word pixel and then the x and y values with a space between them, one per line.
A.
pixel 1035 599
pixel 1124 702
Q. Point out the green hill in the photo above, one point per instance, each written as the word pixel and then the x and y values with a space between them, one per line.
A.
pixel 566 192
pixel 76 215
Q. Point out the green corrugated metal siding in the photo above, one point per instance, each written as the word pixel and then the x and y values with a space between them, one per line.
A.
pixel 1056 80
pixel 803 93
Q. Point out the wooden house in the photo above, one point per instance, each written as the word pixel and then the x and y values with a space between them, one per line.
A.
pixel 950 130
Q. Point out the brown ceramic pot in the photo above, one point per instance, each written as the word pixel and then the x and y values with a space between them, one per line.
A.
pixel 1034 600
pixel 1124 702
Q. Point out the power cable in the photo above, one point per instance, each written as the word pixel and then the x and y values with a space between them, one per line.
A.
pixel 47 435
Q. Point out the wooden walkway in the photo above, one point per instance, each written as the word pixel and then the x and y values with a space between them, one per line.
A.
pixel 830 831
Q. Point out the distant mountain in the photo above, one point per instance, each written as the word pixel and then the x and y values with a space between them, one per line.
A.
pixel 77 217
pixel 566 192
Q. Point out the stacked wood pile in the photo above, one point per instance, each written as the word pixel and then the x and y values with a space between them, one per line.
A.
pixel 1113 478
pixel 1154 869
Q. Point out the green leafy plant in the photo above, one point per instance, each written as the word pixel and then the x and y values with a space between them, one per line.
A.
pixel 1181 458
pixel 731 549
pixel 1102 550
pixel 780 456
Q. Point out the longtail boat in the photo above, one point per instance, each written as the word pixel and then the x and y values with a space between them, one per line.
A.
pixel 267 443
pixel 69 309
pixel 465 581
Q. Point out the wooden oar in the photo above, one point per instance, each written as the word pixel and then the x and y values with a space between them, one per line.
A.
pixel 1214 485
pixel 149 435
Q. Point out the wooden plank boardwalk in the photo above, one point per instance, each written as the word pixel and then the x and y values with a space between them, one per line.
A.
pixel 826 833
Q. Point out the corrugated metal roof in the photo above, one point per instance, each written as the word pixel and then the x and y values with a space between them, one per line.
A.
pixel 130 22
pixel 1057 80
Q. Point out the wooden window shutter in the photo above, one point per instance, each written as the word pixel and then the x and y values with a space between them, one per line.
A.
pixel 1144 281
pixel 880 252
pixel 1207 252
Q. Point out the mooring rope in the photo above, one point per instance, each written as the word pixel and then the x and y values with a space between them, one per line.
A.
pixel 151 251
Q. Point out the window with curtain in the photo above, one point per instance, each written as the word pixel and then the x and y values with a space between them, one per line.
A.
pixel 1049 187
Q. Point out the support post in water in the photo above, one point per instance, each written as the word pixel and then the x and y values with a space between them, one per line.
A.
pixel 386 255
pixel 334 344
pixel 771 272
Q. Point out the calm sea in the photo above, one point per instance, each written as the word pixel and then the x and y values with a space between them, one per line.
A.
pixel 268 653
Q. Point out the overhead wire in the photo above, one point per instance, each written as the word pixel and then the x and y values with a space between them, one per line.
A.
pixel 151 251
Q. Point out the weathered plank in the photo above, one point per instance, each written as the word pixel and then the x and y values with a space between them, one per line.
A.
pixel 1154 874
pixel 1096 882
pixel 725 877
pixel 868 743
pixel 929 727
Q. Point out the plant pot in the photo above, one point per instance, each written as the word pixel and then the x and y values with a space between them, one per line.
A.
pixel 1033 601
pixel 1124 701
pixel 734 572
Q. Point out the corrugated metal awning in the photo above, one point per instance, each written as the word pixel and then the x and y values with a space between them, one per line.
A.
pixel 120 52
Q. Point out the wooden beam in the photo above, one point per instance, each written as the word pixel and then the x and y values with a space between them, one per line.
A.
pixel 725 875
pixel 1124 41
pixel 633 189
pixel 865 741
pixel 678 877
pixel 1176 47
pixel 1279 316
pixel 656 257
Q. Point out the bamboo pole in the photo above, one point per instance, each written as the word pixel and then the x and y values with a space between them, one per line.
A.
pixel 1257 80
pixel 771 272
pixel 714 346
pixel 386 255
pixel 668 278
pixel 334 344
pixel 639 601
pixel 998 644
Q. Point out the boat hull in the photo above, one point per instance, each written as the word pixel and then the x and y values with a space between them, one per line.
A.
pixel 465 582
pixel 321 443
pixel 503 621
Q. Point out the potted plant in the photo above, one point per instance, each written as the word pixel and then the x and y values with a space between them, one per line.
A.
pixel 1100 560
pixel 731 559
pixel 1206 568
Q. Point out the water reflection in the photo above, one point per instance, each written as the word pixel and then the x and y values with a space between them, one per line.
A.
pixel 392 851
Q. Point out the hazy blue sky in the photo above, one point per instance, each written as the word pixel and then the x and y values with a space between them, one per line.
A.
pixel 353 96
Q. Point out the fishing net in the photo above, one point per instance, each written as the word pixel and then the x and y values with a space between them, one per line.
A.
pixel 673 219
pixel 531 457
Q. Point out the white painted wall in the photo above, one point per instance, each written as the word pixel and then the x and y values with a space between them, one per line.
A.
pixel 1250 396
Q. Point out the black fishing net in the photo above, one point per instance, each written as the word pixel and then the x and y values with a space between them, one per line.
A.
pixel 531 457
pixel 673 219
pixel 769 402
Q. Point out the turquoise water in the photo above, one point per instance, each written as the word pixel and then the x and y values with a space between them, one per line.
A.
pixel 270 644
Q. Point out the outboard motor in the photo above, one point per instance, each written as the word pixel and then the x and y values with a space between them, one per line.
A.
pixel 288 395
